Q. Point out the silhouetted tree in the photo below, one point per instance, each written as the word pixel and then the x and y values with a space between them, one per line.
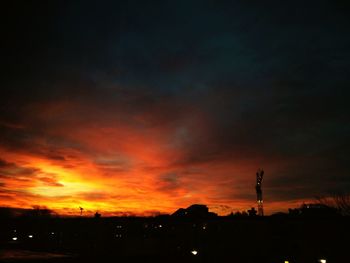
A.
pixel 252 212
pixel 339 201
pixel 238 213
pixel 244 214
pixel 294 211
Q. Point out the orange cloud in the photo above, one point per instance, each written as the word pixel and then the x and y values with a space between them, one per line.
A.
pixel 117 162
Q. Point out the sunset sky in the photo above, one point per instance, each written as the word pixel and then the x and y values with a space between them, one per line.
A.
pixel 139 108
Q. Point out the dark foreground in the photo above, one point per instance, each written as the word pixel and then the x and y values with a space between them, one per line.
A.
pixel 167 239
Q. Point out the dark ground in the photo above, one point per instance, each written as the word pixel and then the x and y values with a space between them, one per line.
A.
pixel 167 239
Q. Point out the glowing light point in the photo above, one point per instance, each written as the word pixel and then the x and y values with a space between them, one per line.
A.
pixel 286 261
pixel 30 236
pixel 194 252
pixel 14 238
pixel 322 261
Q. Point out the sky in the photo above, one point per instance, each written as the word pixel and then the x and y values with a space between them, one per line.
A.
pixel 143 107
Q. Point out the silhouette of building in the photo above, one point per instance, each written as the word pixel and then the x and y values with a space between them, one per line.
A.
pixel 194 211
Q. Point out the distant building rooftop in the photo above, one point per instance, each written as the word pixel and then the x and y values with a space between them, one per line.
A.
pixel 194 211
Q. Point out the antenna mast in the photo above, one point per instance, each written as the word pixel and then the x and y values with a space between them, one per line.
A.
pixel 259 178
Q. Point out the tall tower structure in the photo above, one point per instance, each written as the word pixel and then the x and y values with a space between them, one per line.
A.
pixel 259 197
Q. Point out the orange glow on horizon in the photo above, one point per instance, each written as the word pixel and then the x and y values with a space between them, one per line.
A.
pixel 122 169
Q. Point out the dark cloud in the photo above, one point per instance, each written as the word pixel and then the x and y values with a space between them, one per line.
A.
pixel 12 169
pixel 169 183
pixel 101 196
pixel 50 181
pixel 5 164
pixel 19 177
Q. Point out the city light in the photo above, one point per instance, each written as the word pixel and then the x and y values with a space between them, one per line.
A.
pixel 286 261
pixel 194 252
pixel 30 236
pixel 14 238
pixel 322 261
